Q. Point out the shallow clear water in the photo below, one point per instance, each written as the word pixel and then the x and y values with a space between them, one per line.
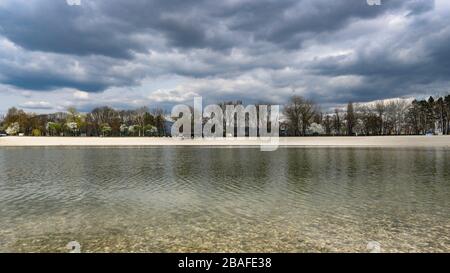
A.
pixel 224 199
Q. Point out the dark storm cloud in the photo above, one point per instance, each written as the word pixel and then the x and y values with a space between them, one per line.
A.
pixel 290 22
pixel 387 71
pixel 41 81
pixel 54 26
pixel 119 43
pixel 106 27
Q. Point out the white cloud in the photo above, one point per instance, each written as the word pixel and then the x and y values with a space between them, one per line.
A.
pixel 36 105
pixel 80 95
pixel 73 2
pixel 175 96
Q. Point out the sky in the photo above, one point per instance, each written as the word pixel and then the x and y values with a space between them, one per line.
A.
pixel 56 54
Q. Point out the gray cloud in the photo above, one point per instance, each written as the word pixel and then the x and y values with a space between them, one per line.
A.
pixel 332 51
pixel 54 26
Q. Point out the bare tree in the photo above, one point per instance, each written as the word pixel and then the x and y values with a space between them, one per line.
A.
pixel 337 123
pixel 447 104
pixel 328 124
pixel 396 116
pixel 299 113
pixel 441 114
pixel 139 115
pixel 350 118
pixel 158 114
pixel 380 108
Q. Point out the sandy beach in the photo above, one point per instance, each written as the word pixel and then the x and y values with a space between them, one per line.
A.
pixel 375 141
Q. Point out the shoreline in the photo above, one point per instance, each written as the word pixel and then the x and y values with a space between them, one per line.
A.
pixel 341 141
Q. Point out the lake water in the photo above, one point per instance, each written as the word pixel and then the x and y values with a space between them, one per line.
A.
pixel 224 199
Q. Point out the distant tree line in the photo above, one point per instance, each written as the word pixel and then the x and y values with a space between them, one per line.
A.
pixel 101 121
pixel 388 117
pixel 301 117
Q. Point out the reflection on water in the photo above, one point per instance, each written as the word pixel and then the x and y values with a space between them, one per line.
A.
pixel 218 199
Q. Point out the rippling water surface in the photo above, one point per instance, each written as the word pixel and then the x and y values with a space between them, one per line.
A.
pixel 224 199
